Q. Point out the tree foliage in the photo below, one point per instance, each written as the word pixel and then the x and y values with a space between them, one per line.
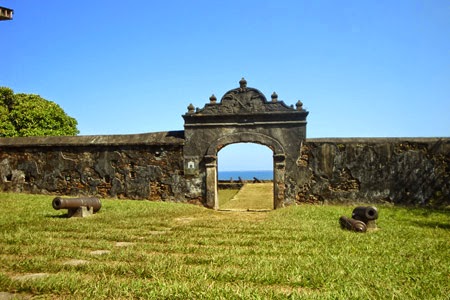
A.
pixel 32 115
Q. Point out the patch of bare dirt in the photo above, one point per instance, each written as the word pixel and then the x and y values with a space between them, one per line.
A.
pixel 76 262
pixel 31 276
pixel 184 220
pixel 100 252
pixel 11 296
pixel 124 244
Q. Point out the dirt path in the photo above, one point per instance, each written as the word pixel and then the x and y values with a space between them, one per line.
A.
pixel 252 196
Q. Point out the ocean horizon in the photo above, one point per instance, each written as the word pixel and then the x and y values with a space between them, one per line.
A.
pixel 246 175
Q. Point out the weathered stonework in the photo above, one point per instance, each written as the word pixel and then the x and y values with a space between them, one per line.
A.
pixel 244 116
pixel 146 166
pixel 413 171
pixel 182 165
pixel 406 171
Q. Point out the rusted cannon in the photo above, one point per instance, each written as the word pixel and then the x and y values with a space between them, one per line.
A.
pixel 366 214
pixel 77 207
pixel 352 224
pixel 256 180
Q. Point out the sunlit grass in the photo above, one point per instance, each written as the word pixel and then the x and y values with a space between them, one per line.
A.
pixel 225 195
pixel 252 196
pixel 180 251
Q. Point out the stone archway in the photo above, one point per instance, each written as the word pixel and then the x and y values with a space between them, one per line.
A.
pixel 242 115
pixel 245 137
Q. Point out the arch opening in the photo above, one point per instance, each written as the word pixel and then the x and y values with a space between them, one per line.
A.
pixel 210 160
pixel 243 115
pixel 245 177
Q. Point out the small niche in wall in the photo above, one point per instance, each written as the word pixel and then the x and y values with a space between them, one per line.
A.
pixel 132 171
pixel 8 177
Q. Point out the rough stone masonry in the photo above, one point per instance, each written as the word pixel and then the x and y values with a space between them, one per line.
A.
pixel 182 165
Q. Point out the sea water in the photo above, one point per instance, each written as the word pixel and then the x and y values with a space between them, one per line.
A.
pixel 246 175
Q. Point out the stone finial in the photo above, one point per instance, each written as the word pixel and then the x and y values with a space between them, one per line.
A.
pixel 299 105
pixel 243 83
pixel 212 99
pixel 191 109
pixel 274 97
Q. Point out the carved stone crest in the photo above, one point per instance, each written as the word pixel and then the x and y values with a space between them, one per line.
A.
pixel 243 100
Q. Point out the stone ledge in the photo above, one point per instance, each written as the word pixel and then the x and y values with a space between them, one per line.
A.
pixel 378 140
pixel 156 138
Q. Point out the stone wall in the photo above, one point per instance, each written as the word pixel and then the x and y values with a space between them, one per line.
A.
pixel 144 166
pixel 150 166
pixel 396 170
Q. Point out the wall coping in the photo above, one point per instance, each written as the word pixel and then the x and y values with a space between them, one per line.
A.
pixel 155 138
pixel 355 140
pixel 176 138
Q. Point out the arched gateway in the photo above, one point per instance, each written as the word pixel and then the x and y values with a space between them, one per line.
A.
pixel 244 115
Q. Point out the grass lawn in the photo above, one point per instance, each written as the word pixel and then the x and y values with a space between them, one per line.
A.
pixel 157 250
pixel 225 196
pixel 252 196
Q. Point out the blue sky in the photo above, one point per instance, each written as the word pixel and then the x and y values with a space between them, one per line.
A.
pixel 362 68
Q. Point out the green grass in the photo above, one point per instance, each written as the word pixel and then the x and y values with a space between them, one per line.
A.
pixel 225 195
pixel 182 251
pixel 252 196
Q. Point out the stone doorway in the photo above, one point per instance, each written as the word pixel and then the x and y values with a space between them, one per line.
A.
pixel 245 137
pixel 245 177
pixel 243 115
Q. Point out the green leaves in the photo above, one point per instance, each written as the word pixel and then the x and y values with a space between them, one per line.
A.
pixel 6 126
pixel 32 115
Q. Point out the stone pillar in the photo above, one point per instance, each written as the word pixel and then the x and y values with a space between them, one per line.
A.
pixel 212 200
pixel 279 169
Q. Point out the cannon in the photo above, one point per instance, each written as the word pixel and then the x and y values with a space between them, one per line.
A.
pixel 77 207
pixel 352 224
pixel 366 214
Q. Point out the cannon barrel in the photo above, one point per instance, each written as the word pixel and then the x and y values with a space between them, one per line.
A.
pixel 352 224
pixel 69 203
pixel 365 213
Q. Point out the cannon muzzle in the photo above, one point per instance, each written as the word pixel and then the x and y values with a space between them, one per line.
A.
pixel 352 224
pixel 72 204
pixel 365 213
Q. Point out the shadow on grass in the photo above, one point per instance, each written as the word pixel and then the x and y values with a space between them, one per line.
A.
pixel 432 224
pixel 63 216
